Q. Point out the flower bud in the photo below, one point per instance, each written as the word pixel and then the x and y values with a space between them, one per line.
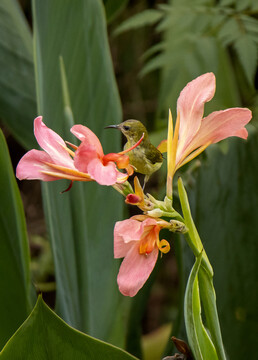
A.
pixel 177 226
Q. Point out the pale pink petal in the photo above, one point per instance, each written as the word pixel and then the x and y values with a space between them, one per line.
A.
pixel 190 107
pixel 242 133
pixel 31 165
pixel 85 134
pixel 83 155
pixel 220 125
pixel 103 174
pixel 135 270
pixel 148 222
pixel 122 248
pixel 121 177
pixel 126 232
pixel 52 143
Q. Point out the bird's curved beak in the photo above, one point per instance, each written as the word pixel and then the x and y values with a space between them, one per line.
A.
pixel 112 126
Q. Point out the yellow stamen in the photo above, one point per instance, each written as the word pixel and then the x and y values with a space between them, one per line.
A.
pixel 69 171
pixel 72 145
pixel 64 176
pixel 68 150
pixel 193 155
pixel 163 246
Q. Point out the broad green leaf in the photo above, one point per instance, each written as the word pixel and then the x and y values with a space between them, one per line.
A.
pixel 17 84
pixel 223 204
pixel 198 338
pixel 45 336
pixel 15 286
pixel 81 221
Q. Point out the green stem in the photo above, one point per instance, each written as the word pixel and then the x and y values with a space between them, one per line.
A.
pixel 192 236
pixel 207 292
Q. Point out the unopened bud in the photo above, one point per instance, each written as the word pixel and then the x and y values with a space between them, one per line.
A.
pixel 124 188
pixel 178 226
pixel 155 213
pixel 168 203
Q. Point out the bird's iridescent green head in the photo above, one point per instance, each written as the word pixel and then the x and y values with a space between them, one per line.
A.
pixel 132 129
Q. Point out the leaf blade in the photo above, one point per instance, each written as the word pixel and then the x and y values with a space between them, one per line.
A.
pixel 14 252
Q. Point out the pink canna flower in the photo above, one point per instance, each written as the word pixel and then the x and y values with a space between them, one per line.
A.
pixel 57 161
pixel 193 133
pixel 137 241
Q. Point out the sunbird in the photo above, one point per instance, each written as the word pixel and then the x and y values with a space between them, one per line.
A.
pixel 145 158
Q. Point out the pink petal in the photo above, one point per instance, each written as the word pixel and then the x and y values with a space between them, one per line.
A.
pixel 84 155
pixel 31 165
pixel 242 133
pixel 220 125
pixel 135 270
pixel 148 222
pixel 85 134
pixel 52 143
pixel 190 106
pixel 103 174
pixel 126 232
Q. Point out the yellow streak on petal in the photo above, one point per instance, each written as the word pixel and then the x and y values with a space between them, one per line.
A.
pixel 175 141
pixel 64 176
pixel 69 171
pixel 170 170
pixel 193 155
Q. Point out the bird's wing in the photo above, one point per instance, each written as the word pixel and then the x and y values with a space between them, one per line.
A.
pixel 153 154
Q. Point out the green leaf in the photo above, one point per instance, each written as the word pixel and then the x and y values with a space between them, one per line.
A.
pixel 17 84
pixel 144 18
pixel 208 298
pixel 223 204
pixel 247 51
pixel 198 338
pixel 113 8
pixel 15 286
pixel 81 221
pixel 45 336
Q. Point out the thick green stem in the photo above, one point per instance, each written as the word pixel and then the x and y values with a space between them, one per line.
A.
pixel 192 236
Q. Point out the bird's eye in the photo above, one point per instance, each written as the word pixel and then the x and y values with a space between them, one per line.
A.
pixel 126 127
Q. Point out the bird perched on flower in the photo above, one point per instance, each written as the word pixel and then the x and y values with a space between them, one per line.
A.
pixel 145 158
